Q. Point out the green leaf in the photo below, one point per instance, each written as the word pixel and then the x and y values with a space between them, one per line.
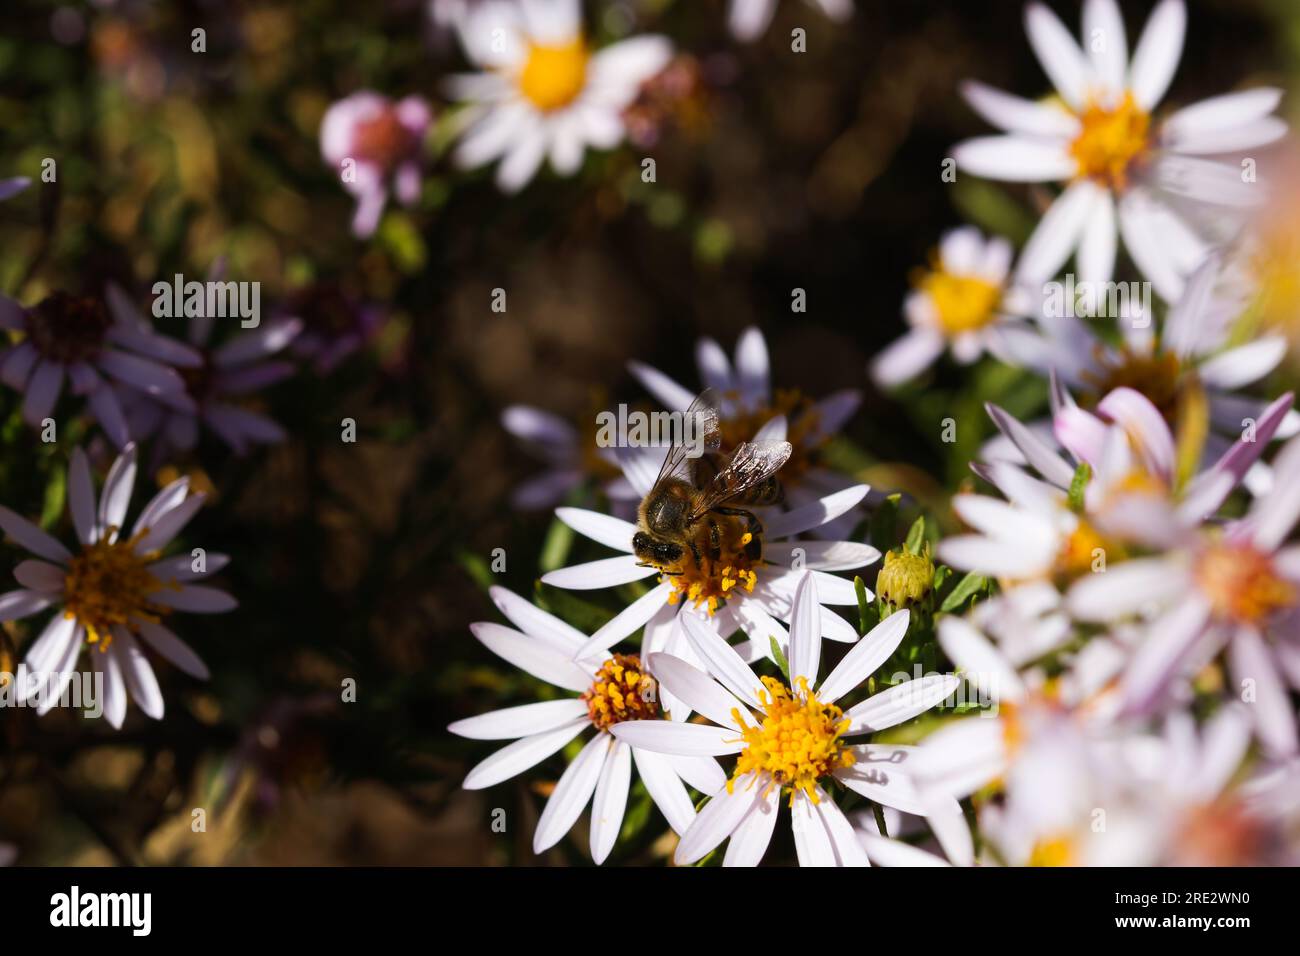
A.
pixel 916 535
pixel 968 586
pixel 1078 485
pixel 781 662
pixel 864 606
pixel 54 494
pixel 555 549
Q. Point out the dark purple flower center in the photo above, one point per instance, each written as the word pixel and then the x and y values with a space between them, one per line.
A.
pixel 384 140
pixel 67 328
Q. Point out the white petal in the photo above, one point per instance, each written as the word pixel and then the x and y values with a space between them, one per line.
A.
pixel 1015 159
pixel 844 841
pixel 627 621
pixel 805 633
pixel 808 517
pixel 665 788
pixel 522 721
pixel 864 657
pixel 604 529
pixel 676 739
pixel 31 537
pixel 1157 53
pixel 574 789
pixel 532 655
pixel 903 702
pixel 517 757
pixel 535 622
pixel 1017 115
pixel 1058 233
pixel 980 662
pixel 611 801
pixel 812 843
pixel 699 691
pixel 606 573
pixel 173 649
pixel 720 816
pixel 116 496
pixel 139 675
pixel 750 838
pixel 1058 54
pixel 722 660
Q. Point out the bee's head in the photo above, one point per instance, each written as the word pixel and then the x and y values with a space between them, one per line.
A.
pixel 652 551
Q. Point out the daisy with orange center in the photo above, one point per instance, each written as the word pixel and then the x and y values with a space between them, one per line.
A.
pixel 544 93
pixel 610 689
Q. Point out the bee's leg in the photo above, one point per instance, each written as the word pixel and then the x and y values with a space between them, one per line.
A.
pixel 754 549
pixel 715 540
pixel 695 552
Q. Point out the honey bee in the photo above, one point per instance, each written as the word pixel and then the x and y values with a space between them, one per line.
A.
pixel 697 505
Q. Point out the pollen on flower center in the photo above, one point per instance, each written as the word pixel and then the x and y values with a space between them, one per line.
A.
pixel 798 741
pixel 622 691
pixel 108 585
pixel 553 76
pixel 710 582
pixel 1243 584
pixel 1081 549
pixel 1111 141
pixel 68 328
pixel 961 303
pixel 1054 851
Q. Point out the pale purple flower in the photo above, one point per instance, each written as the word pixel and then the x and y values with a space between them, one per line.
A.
pixel 13 186
pixel 373 143
pixel 112 594
pixel 335 324
pixel 1210 589
pixel 228 372
pixel 570 463
pixel 91 345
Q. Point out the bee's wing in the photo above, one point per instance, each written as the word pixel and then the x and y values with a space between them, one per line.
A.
pixel 753 463
pixel 703 415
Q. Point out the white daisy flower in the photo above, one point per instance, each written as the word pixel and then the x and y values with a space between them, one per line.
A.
pixel 114 594
pixel 959 303
pixel 1208 589
pixel 795 738
pixel 1196 349
pixel 612 689
pixel 734 591
pixel 1128 175
pixel 749 19
pixel 544 93
pixel 751 408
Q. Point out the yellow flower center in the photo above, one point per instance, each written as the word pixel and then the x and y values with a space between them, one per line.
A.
pixel 962 303
pixel 622 691
pixel 1111 141
pixel 1275 266
pixel 109 585
pixel 801 428
pixel 906 578
pixel 554 75
pixel 798 741
pixel 1054 851
pixel 1080 550
pixel 1243 584
pixel 709 583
